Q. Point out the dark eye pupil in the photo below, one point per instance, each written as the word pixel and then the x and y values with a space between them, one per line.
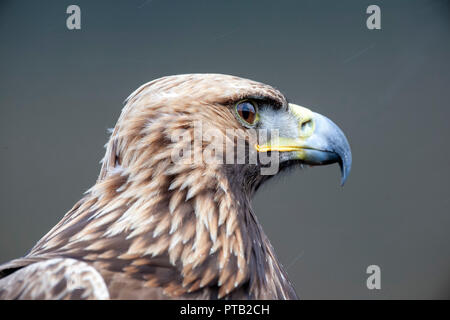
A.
pixel 247 111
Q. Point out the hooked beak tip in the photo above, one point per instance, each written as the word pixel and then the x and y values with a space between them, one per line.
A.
pixel 345 163
pixel 344 173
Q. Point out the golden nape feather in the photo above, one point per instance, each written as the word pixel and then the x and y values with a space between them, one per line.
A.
pixel 157 226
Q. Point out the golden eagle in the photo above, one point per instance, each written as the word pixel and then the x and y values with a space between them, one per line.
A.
pixel 155 226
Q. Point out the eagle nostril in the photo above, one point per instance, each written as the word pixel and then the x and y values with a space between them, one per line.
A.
pixel 306 127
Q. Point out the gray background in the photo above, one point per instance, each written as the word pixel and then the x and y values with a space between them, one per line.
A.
pixel 388 90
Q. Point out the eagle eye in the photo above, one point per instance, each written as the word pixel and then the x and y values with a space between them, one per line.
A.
pixel 247 112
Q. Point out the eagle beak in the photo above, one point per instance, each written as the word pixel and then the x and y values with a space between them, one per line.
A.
pixel 319 142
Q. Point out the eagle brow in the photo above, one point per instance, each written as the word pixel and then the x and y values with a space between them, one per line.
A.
pixel 260 100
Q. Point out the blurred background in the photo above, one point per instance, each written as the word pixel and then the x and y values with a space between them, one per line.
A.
pixel 388 89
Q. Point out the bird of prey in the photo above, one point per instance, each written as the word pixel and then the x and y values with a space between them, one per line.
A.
pixel 154 227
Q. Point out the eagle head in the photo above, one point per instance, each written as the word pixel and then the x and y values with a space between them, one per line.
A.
pixel 243 128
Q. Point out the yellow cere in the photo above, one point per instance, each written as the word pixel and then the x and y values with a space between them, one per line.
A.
pixel 306 129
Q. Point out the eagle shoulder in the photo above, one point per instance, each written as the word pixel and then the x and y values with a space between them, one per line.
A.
pixel 54 279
